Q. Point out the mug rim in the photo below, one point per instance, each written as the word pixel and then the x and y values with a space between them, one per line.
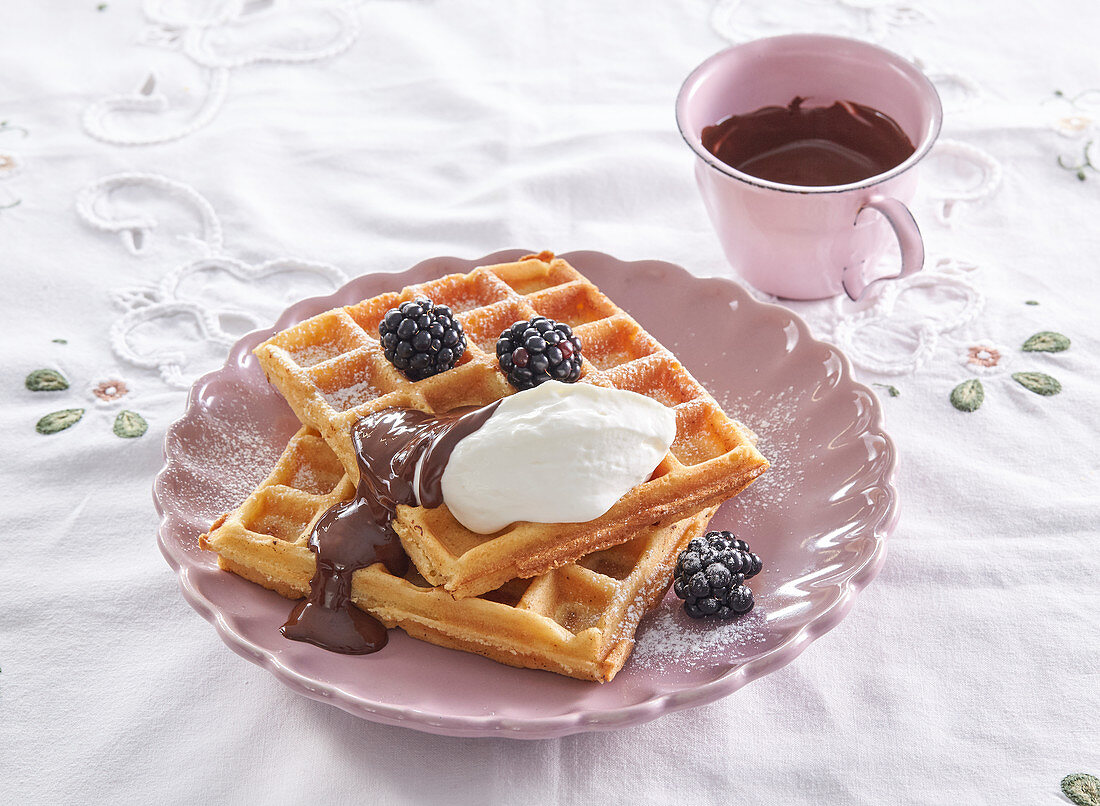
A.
pixel 696 144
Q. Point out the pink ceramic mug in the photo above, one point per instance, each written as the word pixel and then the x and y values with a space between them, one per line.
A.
pixel 804 242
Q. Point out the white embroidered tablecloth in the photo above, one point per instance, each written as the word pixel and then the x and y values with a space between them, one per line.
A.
pixel 174 175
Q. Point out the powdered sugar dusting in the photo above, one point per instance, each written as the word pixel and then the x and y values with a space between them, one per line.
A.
pixel 313 480
pixel 669 640
pixel 464 304
pixel 304 479
pixel 228 461
pixel 775 418
pixel 351 396
pixel 314 353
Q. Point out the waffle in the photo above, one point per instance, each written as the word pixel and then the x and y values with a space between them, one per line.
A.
pixel 331 370
pixel 577 620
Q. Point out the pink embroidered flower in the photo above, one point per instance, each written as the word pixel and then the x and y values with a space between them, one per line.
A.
pixel 1073 124
pixel 7 163
pixel 983 355
pixel 110 390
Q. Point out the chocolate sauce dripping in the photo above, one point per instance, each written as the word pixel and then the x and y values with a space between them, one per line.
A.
pixel 358 533
pixel 815 146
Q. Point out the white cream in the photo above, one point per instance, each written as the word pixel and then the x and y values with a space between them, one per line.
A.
pixel 558 453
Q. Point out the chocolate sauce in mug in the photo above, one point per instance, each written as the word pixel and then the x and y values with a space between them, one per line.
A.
pixel 358 533
pixel 810 146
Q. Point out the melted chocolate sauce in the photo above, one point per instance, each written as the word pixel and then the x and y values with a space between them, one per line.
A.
pixel 358 533
pixel 817 146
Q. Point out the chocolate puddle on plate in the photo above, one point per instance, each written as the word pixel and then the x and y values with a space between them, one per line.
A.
pixel 358 533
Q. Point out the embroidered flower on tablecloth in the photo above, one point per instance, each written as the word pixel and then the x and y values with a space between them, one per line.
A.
pixel 1078 118
pixel 1073 114
pixel 1073 124
pixel 110 390
pixel 126 424
pixel 10 166
pixel 984 358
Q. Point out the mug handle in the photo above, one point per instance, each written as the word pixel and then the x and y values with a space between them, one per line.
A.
pixel 908 235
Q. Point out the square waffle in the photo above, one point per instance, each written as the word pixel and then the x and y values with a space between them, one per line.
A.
pixel 332 371
pixel 577 620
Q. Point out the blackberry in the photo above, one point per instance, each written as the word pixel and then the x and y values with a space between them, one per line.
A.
pixel 537 351
pixel 711 573
pixel 421 338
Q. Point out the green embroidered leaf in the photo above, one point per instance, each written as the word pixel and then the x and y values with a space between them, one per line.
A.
pixel 1038 382
pixel 46 380
pixel 893 391
pixel 60 341
pixel 130 424
pixel 1046 341
pixel 968 395
pixel 59 421
pixel 1031 302
pixel 1082 788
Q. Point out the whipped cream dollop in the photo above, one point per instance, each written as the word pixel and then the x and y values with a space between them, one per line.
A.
pixel 558 453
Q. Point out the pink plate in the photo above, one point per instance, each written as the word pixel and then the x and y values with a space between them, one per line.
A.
pixel 819 519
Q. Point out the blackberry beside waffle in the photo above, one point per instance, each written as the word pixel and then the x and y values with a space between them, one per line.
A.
pixel 710 576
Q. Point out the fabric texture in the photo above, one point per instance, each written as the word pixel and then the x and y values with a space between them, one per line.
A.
pixel 173 175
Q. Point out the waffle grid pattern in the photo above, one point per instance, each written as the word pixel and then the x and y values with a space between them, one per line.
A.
pixel 332 371
pixel 577 620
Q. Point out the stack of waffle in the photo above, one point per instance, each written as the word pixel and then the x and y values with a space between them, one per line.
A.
pixel 564 597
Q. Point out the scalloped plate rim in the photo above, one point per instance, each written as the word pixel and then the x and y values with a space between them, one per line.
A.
pixel 471 726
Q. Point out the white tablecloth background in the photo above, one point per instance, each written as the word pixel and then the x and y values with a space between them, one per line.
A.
pixel 969 672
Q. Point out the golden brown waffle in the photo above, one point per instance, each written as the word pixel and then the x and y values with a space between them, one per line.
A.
pixel 578 620
pixel 331 370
